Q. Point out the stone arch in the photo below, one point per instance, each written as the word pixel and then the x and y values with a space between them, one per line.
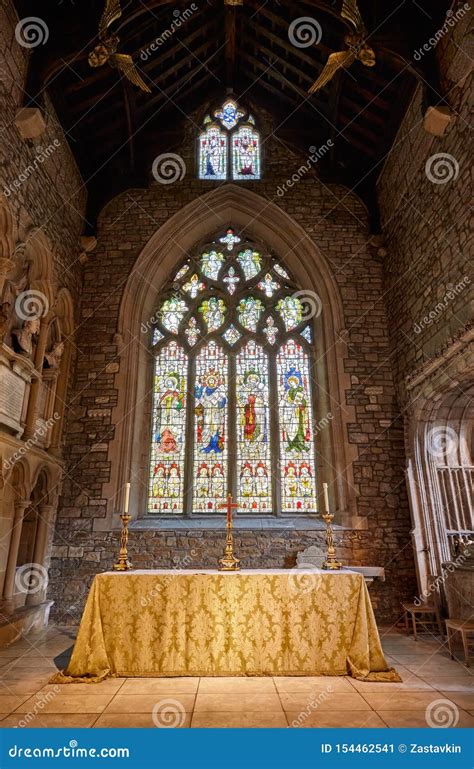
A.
pixel 262 221
pixel 65 311
pixel 38 254
pixel 19 478
pixel 440 469
pixel 15 499
pixel 7 230
pixel 65 316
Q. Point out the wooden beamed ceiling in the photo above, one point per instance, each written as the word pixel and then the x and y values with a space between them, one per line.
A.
pixel 115 130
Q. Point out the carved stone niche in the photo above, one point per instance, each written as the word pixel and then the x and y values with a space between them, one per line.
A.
pixel 16 373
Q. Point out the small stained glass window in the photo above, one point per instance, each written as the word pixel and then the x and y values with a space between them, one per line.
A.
pixel 172 313
pixel 232 335
pixel 230 239
pixel 249 310
pixel 268 285
pixel 246 153
pixel 281 271
pixel 213 153
pixel 306 334
pixel 251 263
pixel 231 280
pixel 229 145
pixel 213 312
pixel 291 310
pixel 194 286
pixel 182 272
pixel 192 332
pixel 211 263
pixel 229 114
pixel 270 330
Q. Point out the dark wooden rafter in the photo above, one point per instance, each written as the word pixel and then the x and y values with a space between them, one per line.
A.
pixel 246 49
pixel 230 44
pixel 131 118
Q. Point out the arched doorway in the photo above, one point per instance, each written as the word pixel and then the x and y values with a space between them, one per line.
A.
pixel 440 465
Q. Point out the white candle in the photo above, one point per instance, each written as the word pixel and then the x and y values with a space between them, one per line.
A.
pixel 326 497
pixel 127 498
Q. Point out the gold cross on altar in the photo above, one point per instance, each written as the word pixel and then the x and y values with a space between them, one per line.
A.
pixel 229 505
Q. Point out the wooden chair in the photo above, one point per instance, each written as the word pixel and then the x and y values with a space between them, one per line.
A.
pixel 426 613
pixel 464 627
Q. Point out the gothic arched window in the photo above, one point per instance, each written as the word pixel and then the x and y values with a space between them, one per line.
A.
pixel 232 402
pixel 229 145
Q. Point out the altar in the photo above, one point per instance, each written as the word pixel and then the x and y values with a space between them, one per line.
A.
pixel 272 622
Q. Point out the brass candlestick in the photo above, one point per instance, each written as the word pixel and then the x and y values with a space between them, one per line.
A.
pixel 331 561
pixel 229 562
pixel 123 564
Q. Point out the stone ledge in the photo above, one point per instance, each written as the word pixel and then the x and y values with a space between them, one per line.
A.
pixel 240 524
pixel 20 622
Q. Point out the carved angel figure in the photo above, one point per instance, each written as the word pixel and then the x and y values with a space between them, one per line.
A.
pixel 357 47
pixel 106 51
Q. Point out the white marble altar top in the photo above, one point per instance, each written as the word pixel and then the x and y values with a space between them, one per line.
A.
pixel 245 572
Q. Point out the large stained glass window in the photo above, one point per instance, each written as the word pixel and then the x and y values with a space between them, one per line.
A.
pixel 210 429
pixel 229 145
pixel 232 403
pixel 253 430
pixel 296 431
pixel 169 425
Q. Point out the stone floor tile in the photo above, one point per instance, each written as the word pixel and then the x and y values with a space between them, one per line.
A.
pixel 309 702
pixel 238 720
pixel 145 703
pixel 49 721
pixel 137 721
pixel 236 684
pixel 66 703
pixel 399 700
pixel 313 683
pixel 252 701
pixel 160 685
pixel 329 719
pixel 414 719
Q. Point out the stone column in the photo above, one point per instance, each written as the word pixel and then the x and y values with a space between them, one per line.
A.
pixel 36 383
pixel 45 516
pixel 60 401
pixel 9 584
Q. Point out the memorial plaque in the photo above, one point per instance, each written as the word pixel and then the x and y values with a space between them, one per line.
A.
pixel 12 393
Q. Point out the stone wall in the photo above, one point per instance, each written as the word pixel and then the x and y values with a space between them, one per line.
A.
pixel 424 205
pixel 73 566
pixel 337 222
pixel 39 177
pixel 42 204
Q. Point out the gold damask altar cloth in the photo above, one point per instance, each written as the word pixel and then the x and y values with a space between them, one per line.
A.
pixel 248 623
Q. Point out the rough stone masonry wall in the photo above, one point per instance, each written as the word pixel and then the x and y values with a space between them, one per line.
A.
pixel 427 223
pixel 337 222
pixel 49 193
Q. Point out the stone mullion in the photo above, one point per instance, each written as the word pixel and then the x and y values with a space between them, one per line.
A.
pixel 189 440
pixel 274 434
pixel 325 469
pixel 232 429
pixel 9 584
